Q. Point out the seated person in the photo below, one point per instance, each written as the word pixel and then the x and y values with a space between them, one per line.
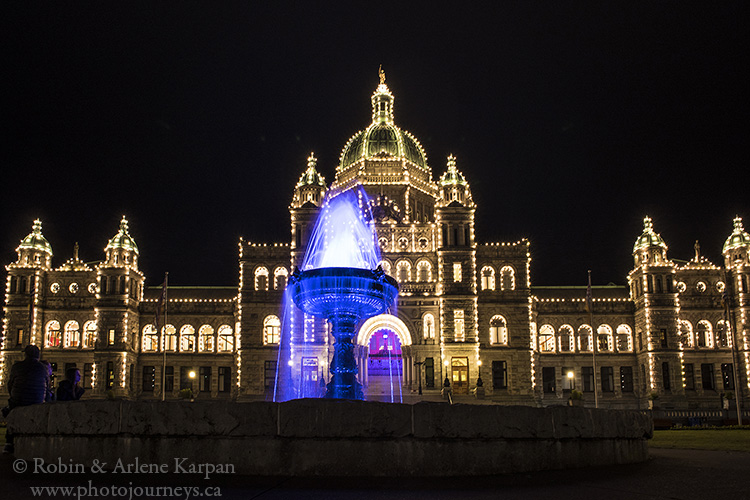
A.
pixel 68 389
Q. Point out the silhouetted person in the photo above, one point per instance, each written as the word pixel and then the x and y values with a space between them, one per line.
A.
pixel 27 385
pixel 68 389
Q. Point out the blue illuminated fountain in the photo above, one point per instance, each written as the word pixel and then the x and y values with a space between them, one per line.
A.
pixel 342 282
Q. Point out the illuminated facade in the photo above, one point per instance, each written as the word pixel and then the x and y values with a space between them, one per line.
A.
pixel 465 308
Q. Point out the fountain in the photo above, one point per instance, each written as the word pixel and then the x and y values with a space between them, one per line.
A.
pixel 341 284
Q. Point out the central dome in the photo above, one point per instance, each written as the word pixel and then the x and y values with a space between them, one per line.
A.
pixel 382 138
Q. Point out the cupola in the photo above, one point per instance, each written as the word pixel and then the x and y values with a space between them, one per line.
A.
pixel 35 250
pixel 737 247
pixel 311 187
pixel 121 251
pixel 649 248
pixel 453 186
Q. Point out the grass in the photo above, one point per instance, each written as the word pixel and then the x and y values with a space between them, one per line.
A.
pixel 703 439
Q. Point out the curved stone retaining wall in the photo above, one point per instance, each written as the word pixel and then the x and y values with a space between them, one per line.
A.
pixel 333 437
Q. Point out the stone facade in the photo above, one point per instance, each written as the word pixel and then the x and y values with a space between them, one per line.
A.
pixel 467 310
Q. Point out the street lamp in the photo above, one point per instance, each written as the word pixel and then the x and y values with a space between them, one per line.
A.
pixel 191 374
pixel 571 378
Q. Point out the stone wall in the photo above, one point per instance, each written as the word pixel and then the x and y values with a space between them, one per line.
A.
pixel 333 437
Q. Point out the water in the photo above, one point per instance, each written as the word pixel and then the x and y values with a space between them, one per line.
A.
pixel 343 237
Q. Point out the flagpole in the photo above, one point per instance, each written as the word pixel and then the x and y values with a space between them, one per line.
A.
pixel 164 343
pixel 594 336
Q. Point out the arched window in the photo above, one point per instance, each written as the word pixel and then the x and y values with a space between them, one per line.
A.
pixel 498 330
pixel 428 326
pixel 424 271
pixel 271 330
pixel 703 334
pixel 723 335
pixel 567 338
pixel 226 339
pixel 280 275
pixel 261 278
pixel 72 334
pixel 604 335
pixel 547 339
pixel 187 338
pixel 686 333
pixel 386 267
pixel 150 339
pixel 624 338
pixel 507 278
pixel 169 332
pixel 403 271
pixel 89 334
pixel 206 339
pixel 584 338
pixel 52 334
pixel 488 278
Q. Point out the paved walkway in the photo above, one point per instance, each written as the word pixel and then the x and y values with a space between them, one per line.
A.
pixel 669 474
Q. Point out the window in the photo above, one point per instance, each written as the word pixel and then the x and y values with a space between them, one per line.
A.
pixel 269 375
pixel 206 339
pixel 703 334
pixel 548 379
pixel 689 377
pixel 111 336
pixel 185 381
pixel 403 271
pixel 624 338
pixel 567 339
pixel 429 372
pixel 604 336
pixel 587 374
pixel 271 330
pixel 110 377
pixel 149 378
pixel 52 335
pixel 663 342
pixel 723 336
pixel 169 379
pixel 150 339
pixel 584 338
pixel 727 376
pixel 170 338
pixel 499 375
pixel 424 271
pixel 225 378
pixel 226 339
pixel 280 275
pixel 626 378
pixel 546 339
pixel 707 376
pixel 686 334
pixel 459 326
pixel 498 330
pixel 507 278
pixel 261 279
pixel 457 273
pixel 204 379
pixel 187 338
pixel 488 278
pixel 309 328
pixel 87 376
pixel 72 334
pixel 89 334
pixel 608 379
pixel 429 326
pixel 665 376
pixel 19 337
pixel 568 379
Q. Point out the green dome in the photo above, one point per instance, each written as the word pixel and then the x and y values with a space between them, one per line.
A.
pixel 649 238
pixel 122 239
pixel 452 176
pixel 311 177
pixel 35 240
pixel 738 239
pixel 382 139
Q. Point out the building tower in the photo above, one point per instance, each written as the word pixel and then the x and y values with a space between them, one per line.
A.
pixel 119 294
pixel 457 279
pixel 657 343
pixel 736 252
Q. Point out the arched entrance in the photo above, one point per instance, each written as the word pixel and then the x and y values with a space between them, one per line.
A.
pixel 385 370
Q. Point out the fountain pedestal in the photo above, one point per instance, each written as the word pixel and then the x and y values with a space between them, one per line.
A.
pixel 344 296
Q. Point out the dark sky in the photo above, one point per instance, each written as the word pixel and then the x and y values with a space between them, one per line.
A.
pixel 570 120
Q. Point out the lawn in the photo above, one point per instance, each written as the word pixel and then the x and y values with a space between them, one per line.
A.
pixel 703 439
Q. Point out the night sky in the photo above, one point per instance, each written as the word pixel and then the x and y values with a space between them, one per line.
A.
pixel 571 120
